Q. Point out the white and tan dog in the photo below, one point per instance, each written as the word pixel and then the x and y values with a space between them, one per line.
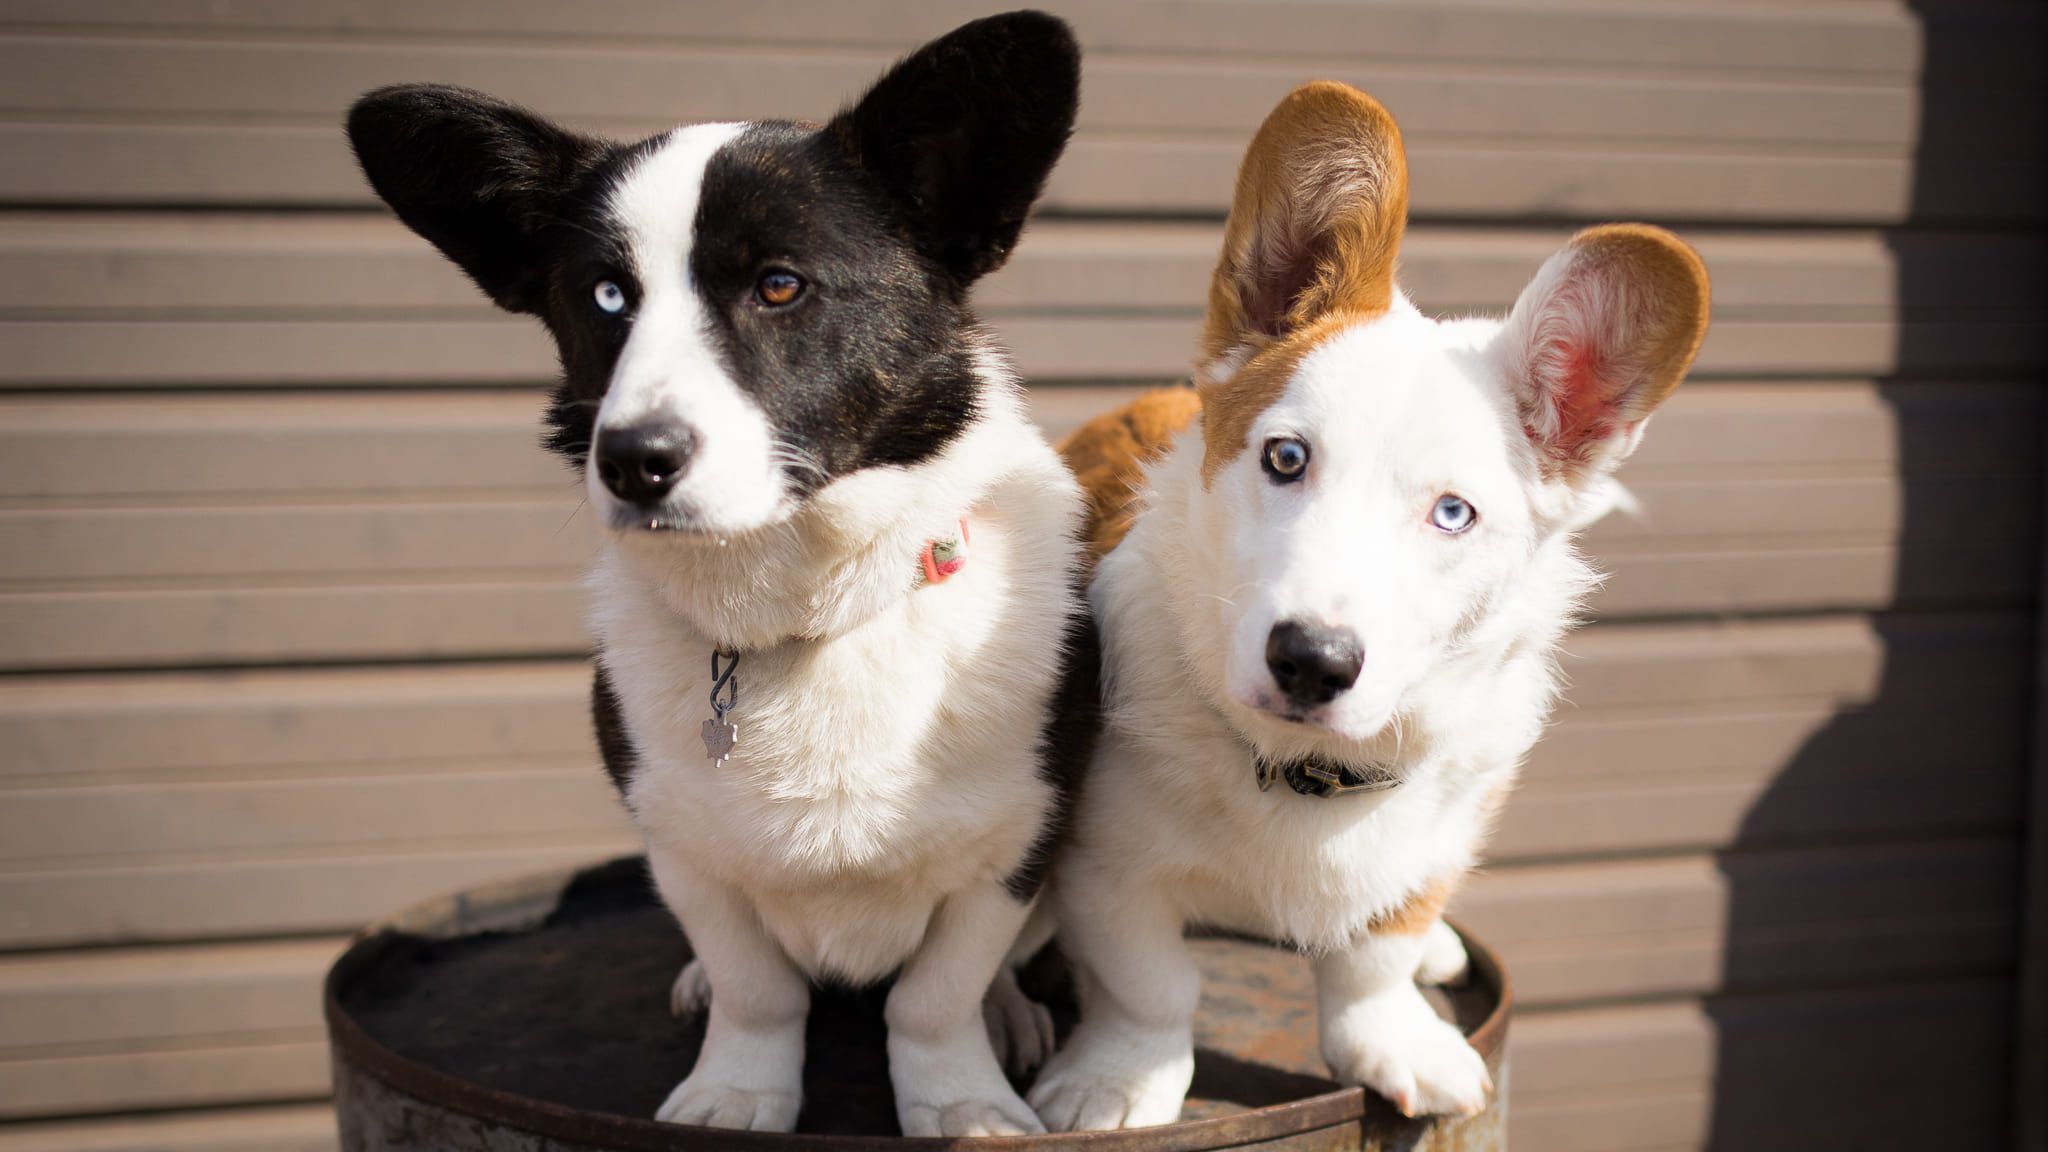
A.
pixel 1329 634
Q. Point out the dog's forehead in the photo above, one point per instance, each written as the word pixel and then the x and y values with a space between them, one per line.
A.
pixel 1394 366
pixel 1399 387
pixel 653 200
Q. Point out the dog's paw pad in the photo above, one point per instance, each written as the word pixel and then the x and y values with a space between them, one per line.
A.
pixel 1403 1051
pixel 714 1105
pixel 691 991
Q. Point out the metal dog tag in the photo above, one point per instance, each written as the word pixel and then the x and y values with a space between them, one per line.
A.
pixel 720 736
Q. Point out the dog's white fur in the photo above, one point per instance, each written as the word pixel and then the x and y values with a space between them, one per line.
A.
pixel 886 779
pixel 1458 631
pixel 668 370
pixel 1172 829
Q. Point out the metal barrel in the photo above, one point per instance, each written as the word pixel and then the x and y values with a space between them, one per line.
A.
pixel 532 1016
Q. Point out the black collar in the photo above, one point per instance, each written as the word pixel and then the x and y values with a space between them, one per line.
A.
pixel 1322 777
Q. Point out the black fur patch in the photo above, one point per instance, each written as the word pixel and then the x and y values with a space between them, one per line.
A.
pixel 964 131
pixel 873 364
pixel 1064 750
pixel 585 246
pixel 613 742
pixel 481 179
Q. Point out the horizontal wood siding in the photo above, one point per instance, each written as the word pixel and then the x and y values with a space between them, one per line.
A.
pixel 290 634
pixel 267 302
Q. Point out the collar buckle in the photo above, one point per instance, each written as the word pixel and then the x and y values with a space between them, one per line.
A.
pixel 1321 778
pixel 1342 781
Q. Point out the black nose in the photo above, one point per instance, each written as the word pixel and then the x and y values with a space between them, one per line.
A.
pixel 640 463
pixel 1313 663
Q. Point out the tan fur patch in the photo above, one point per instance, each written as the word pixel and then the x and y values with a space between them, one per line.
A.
pixel 1675 279
pixel 1314 234
pixel 1109 453
pixel 1416 914
pixel 1231 406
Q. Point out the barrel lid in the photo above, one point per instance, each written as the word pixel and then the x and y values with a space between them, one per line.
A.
pixel 540 1004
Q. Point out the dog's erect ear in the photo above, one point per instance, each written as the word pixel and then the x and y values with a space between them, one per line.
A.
pixel 1599 338
pixel 477 177
pixel 1315 228
pixel 964 131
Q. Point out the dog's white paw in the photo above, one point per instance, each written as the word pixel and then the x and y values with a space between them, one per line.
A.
pixel 1395 1044
pixel 1444 961
pixel 691 992
pixel 706 1099
pixel 1019 1028
pixel 955 1089
pixel 969 1118
pixel 1115 1078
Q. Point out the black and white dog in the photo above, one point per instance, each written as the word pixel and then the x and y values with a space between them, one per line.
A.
pixel 836 591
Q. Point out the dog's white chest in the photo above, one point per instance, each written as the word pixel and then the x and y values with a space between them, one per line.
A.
pixel 1316 870
pixel 910 739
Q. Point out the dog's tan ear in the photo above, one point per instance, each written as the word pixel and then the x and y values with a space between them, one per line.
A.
pixel 1316 225
pixel 1599 338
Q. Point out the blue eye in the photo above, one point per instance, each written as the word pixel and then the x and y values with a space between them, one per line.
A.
pixel 611 299
pixel 1284 459
pixel 1452 515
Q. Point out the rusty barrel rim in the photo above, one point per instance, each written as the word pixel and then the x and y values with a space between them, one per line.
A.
pixel 522 903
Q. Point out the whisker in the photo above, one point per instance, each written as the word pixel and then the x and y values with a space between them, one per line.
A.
pixel 796 458
pixel 573 512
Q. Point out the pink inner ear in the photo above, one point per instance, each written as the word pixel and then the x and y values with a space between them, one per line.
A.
pixel 1585 410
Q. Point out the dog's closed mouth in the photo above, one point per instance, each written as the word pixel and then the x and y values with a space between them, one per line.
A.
pixel 632 521
pixel 1287 712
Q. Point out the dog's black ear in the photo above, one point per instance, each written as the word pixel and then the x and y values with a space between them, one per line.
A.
pixel 479 178
pixel 964 131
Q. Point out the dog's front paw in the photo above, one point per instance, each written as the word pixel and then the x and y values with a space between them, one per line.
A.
pixel 953 1087
pixel 691 992
pixel 1109 1077
pixel 1444 960
pixel 969 1118
pixel 706 1099
pixel 1019 1028
pixel 1395 1044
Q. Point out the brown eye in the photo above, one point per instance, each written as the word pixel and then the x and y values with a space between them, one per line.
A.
pixel 778 288
pixel 1285 459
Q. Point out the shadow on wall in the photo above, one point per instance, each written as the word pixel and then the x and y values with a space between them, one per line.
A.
pixel 1906 810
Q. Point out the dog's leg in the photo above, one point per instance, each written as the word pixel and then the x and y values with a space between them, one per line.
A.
pixel 750 1071
pixel 1379 1031
pixel 946 1077
pixel 1444 960
pixel 1130 1061
pixel 1020 1028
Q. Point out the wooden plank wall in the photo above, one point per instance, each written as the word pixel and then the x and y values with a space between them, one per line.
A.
pixel 289 635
